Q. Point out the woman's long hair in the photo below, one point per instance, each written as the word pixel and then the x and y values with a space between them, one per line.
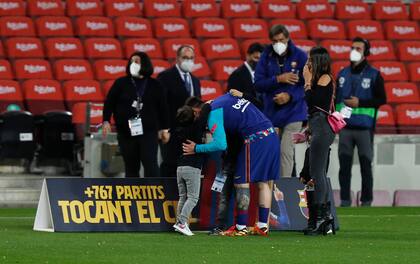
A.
pixel 320 62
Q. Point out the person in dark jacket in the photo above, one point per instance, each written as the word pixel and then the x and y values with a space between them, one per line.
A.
pixel 179 83
pixel 278 77
pixel 138 104
pixel 191 123
pixel 361 89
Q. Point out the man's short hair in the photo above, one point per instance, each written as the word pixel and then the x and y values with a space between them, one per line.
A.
pixel 255 47
pixel 194 101
pixel 366 51
pixel 277 29
pixel 179 50
pixel 185 115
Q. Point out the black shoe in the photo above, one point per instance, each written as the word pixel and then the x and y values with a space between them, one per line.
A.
pixel 367 204
pixel 216 232
pixel 324 221
pixel 345 203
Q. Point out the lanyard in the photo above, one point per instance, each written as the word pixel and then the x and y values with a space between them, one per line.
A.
pixel 140 93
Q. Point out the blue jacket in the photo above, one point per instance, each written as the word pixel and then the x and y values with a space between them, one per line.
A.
pixel 266 83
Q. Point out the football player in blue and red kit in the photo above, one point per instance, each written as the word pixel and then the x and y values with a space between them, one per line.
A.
pixel 257 162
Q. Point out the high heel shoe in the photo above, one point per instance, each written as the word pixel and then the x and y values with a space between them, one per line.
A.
pixel 324 221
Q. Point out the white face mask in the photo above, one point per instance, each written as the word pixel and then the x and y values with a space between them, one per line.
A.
pixel 187 65
pixel 355 56
pixel 135 69
pixel 280 48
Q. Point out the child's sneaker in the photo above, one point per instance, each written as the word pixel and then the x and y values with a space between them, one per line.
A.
pixel 234 231
pixel 183 229
pixel 260 231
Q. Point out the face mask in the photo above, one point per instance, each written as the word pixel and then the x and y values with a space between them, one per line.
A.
pixel 252 64
pixel 279 48
pixel 187 65
pixel 135 69
pixel 355 56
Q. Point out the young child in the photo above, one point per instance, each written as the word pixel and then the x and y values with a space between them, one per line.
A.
pixel 190 126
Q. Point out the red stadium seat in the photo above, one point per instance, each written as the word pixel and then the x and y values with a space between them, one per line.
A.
pixel 54 26
pixel 15 7
pixel 414 69
pixel 5 70
pixel 409 50
pixel 310 9
pixel 296 28
pixel 133 27
pixel 45 8
pixel 200 8
pixel 249 28
pixel 82 91
pixel 305 44
pixel 97 48
pixel 16 27
pixel 401 92
pixel 171 28
pixel 32 69
pixel 87 26
pixel 211 28
pixel 109 69
pixel 24 48
pixel 222 69
pixel 337 66
pixel 407 198
pixel 72 69
pixel 84 8
pixel 171 46
pixel 106 86
pixel 338 49
pixel 122 8
pixel 220 48
pixel 415 10
pixel 351 10
pixel 402 30
pixel 43 95
pixel 161 8
pixel 381 50
pixel 64 48
pixel 159 66
pixel 1 50
pixel 210 90
pixel 238 8
pixel 10 93
pixel 408 118
pixel 389 11
pixel 201 68
pixel 385 122
pixel 246 43
pixel 391 70
pixel 367 29
pixel 79 117
pixel 326 29
pixel 149 45
pixel 276 8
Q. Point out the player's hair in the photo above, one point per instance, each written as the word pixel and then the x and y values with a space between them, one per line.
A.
pixel 185 115
pixel 194 101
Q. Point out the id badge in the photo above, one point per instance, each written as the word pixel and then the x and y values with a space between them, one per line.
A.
pixel 136 126
pixel 218 183
pixel 346 111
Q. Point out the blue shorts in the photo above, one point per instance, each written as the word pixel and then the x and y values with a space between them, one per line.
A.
pixel 259 160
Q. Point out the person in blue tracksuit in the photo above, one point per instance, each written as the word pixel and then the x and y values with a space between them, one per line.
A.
pixel 257 162
pixel 278 77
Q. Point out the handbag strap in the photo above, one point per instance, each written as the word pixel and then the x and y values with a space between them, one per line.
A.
pixel 332 105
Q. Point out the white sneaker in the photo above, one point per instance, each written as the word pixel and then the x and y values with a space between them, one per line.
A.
pixel 183 228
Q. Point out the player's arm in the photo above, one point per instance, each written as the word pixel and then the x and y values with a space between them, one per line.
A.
pixel 215 124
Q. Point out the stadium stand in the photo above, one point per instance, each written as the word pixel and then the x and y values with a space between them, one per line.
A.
pixel 200 8
pixel 42 96
pixel 10 94
pixel 45 8
pixel 54 26
pixel 122 8
pixel 5 70
pixel 276 8
pixel 238 9
pixel 72 69
pixel 162 8
pixel 171 45
pixel 149 45
pixel 84 8
pixel 211 27
pixel 385 123
pixel 15 7
pixel 24 48
pixel 56 48
pixel 109 69
pixel 134 27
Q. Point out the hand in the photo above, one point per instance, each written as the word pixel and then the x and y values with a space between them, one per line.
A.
pixel 307 74
pixel 106 129
pixel 288 77
pixel 209 101
pixel 281 98
pixel 236 93
pixel 352 102
pixel 164 135
pixel 278 195
pixel 278 130
pixel 189 147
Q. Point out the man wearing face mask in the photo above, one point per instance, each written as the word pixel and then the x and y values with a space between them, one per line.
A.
pixel 138 104
pixel 179 84
pixel 278 76
pixel 360 92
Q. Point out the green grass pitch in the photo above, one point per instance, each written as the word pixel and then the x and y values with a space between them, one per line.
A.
pixel 367 235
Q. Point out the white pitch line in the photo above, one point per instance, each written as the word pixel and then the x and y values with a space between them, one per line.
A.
pixel 366 216
pixel 17 217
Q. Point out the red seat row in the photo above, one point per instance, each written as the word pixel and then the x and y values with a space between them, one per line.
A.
pixel 209 8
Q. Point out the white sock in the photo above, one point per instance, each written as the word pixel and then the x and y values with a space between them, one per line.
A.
pixel 240 227
pixel 262 225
